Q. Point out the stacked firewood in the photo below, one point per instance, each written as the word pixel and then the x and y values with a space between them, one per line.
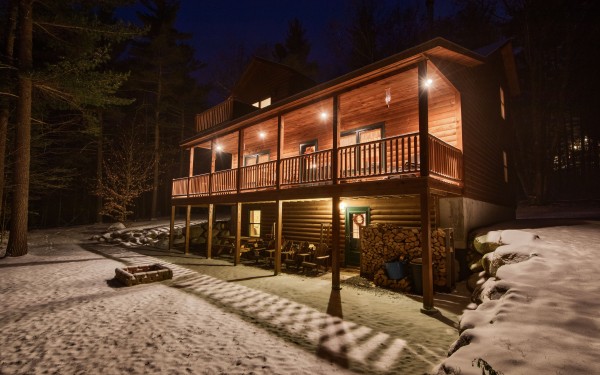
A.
pixel 381 279
pixel 381 243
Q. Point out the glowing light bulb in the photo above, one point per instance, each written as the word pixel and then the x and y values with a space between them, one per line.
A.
pixel 323 115
pixel 262 135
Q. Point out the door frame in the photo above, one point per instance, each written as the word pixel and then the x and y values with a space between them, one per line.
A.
pixel 348 228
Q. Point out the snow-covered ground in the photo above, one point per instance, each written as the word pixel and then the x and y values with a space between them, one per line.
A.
pixel 61 313
pixel 540 315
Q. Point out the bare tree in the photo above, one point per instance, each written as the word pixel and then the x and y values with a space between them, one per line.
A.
pixel 128 173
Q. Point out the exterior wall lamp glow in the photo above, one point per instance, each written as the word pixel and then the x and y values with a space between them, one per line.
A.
pixel 388 96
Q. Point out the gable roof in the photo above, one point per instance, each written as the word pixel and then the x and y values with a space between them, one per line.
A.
pixel 437 47
pixel 264 78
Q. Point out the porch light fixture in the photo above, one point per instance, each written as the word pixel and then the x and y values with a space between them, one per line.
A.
pixel 388 96
pixel 219 148
pixel 262 135
pixel 342 206
pixel 428 82
pixel 323 115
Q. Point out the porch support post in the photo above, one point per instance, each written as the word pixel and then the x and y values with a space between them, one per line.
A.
pixel 335 243
pixel 238 232
pixel 209 232
pixel 423 119
pixel 279 151
pixel 213 157
pixel 426 254
pixel 240 161
pixel 336 140
pixel 188 215
pixel 191 171
pixel 172 227
pixel 278 236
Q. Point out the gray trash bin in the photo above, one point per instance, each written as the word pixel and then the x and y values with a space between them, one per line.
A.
pixel 416 270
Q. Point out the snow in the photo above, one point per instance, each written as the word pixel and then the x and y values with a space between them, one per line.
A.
pixel 540 314
pixel 62 313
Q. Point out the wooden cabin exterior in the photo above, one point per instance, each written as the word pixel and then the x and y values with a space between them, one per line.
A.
pixel 417 139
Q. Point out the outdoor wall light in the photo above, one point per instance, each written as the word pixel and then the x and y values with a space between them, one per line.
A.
pixel 342 206
pixel 219 148
pixel 388 96
pixel 428 82
pixel 323 115
pixel 262 135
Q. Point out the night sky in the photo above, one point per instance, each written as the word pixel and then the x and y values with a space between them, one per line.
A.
pixel 217 26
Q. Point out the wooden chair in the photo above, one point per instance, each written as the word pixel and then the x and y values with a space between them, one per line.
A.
pixel 320 259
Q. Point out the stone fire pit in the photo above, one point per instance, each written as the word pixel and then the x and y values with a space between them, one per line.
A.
pixel 143 274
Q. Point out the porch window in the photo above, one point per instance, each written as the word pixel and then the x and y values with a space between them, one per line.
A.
pixel 254 223
pixel 362 159
pixel 254 159
pixel 309 147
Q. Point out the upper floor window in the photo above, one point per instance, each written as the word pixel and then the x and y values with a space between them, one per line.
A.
pixel 263 103
pixel 502 105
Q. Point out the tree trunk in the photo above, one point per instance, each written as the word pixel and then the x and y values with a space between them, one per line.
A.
pixel 99 159
pixel 5 102
pixel 153 209
pixel 17 240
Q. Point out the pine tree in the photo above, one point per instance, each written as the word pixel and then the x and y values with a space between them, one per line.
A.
pixel 65 75
pixel 163 65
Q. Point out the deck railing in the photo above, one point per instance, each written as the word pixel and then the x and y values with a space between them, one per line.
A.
pixel 259 176
pixel 386 157
pixel 224 181
pixel 199 184
pixel 444 160
pixel 180 187
pixel 394 155
pixel 306 169
pixel 214 115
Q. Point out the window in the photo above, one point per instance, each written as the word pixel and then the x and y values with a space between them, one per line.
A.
pixel 262 103
pixel 254 226
pixel 505 163
pixel 367 134
pixel 502 107
pixel 308 147
pixel 253 159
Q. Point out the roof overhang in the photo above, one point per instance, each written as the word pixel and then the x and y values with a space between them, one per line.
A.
pixel 439 48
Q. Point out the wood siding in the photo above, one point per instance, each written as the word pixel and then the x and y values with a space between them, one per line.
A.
pixel 484 134
pixel 366 106
pixel 306 124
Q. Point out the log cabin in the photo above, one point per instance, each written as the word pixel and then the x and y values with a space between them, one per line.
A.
pixel 418 139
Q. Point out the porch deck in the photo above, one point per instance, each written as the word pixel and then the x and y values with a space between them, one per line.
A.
pixel 380 159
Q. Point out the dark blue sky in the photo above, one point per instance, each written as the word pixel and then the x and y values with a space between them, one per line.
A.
pixel 221 25
pixel 225 23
